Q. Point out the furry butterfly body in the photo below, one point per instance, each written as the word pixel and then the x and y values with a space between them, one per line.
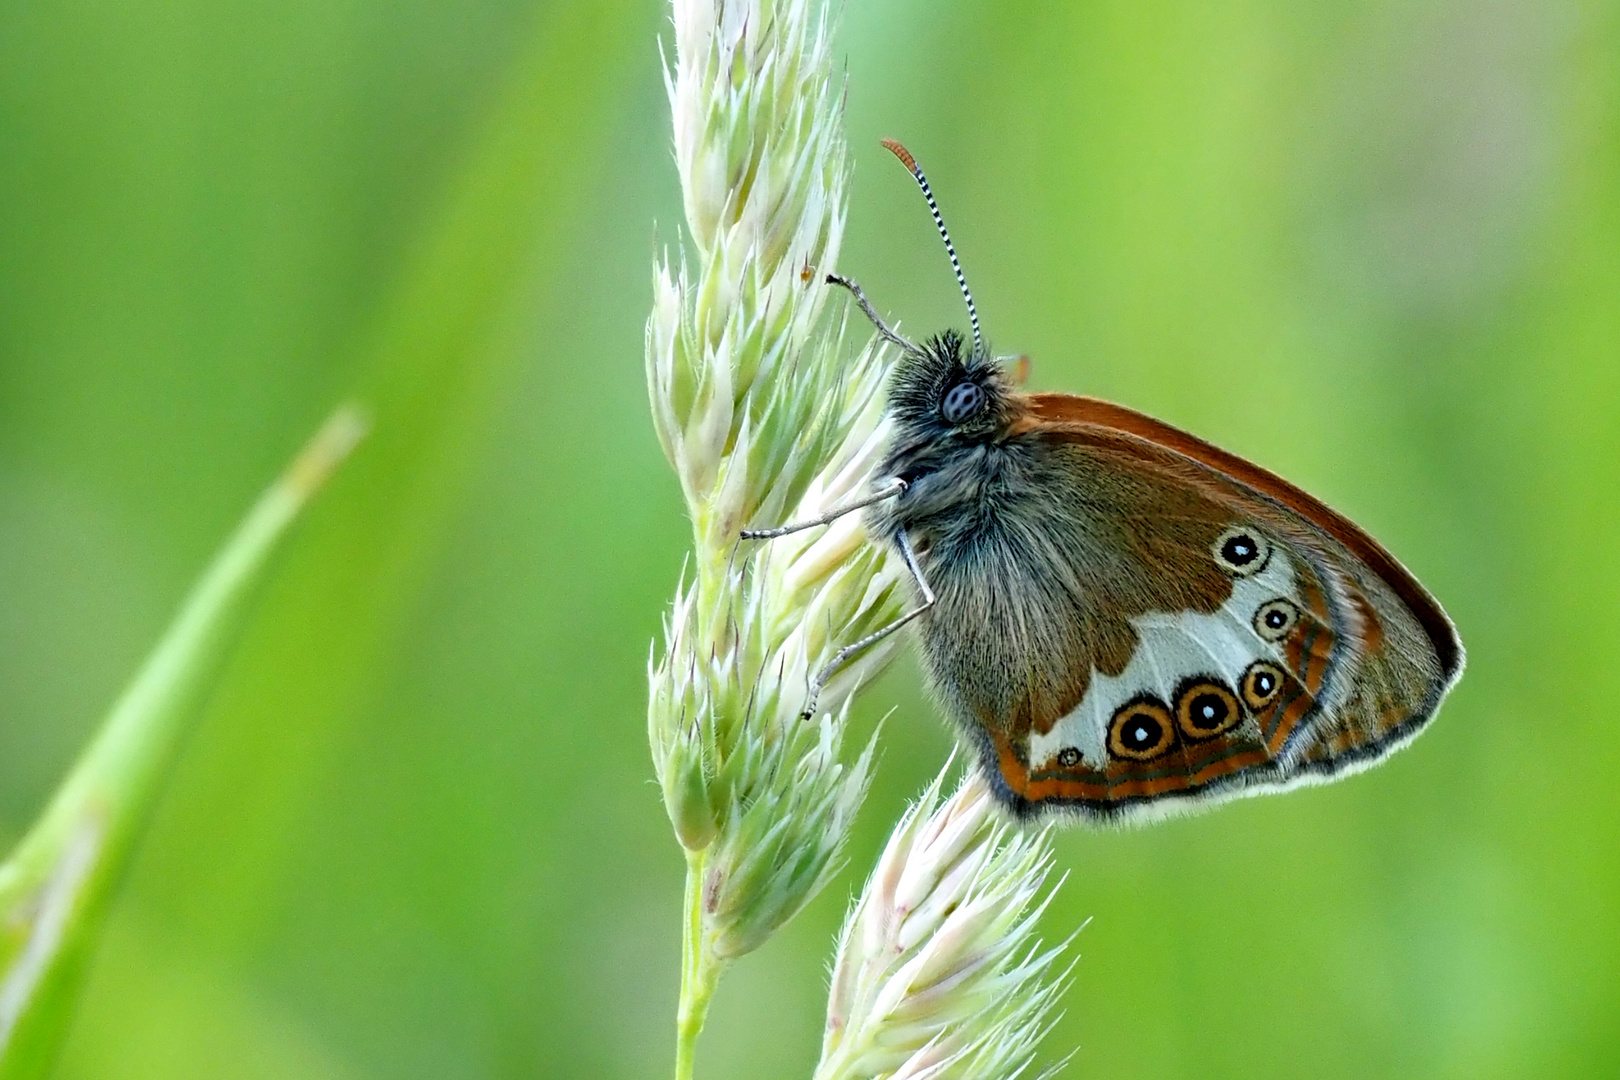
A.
pixel 1121 618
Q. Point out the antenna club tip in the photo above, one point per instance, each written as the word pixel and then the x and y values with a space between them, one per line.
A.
pixel 893 146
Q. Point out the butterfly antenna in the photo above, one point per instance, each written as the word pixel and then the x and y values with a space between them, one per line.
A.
pixel 910 162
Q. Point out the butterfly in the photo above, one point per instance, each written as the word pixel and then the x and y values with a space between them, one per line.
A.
pixel 1122 619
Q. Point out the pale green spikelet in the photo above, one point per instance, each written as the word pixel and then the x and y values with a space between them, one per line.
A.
pixel 766 413
pixel 939 973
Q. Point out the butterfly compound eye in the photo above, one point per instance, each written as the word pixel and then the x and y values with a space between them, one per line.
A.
pixel 961 401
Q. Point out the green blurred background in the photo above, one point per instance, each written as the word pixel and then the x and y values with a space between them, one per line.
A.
pixel 1375 246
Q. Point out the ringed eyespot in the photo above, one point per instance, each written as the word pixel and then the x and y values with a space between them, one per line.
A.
pixel 1261 684
pixel 1241 551
pixel 1068 757
pixel 1275 619
pixel 1205 709
pixel 1141 730
pixel 961 402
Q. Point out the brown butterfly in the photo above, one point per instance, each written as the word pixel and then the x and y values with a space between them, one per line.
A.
pixel 1123 619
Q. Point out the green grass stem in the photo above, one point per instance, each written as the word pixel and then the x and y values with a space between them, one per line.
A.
pixel 55 887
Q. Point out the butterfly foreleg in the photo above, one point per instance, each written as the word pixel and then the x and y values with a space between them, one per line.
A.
pixel 884 330
pixel 887 490
pixel 850 651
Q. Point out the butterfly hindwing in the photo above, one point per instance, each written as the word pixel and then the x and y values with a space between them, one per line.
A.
pixel 1179 626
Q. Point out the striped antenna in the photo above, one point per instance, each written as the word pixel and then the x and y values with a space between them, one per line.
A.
pixel 950 249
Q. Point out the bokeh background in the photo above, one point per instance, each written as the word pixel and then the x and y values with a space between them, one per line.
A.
pixel 1374 245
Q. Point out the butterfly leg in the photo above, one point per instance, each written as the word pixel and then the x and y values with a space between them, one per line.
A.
pixel 884 330
pixel 850 651
pixel 889 489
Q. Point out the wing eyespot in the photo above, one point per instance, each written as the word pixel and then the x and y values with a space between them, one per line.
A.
pixel 1141 730
pixel 1205 708
pixel 1261 684
pixel 1276 618
pixel 1241 551
pixel 1069 757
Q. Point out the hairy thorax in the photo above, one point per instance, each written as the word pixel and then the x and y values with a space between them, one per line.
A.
pixel 1038 558
pixel 1003 643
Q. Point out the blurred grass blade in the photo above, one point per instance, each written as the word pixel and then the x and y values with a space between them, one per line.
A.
pixel 54 888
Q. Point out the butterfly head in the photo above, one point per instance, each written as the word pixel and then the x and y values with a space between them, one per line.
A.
pixel 945 390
